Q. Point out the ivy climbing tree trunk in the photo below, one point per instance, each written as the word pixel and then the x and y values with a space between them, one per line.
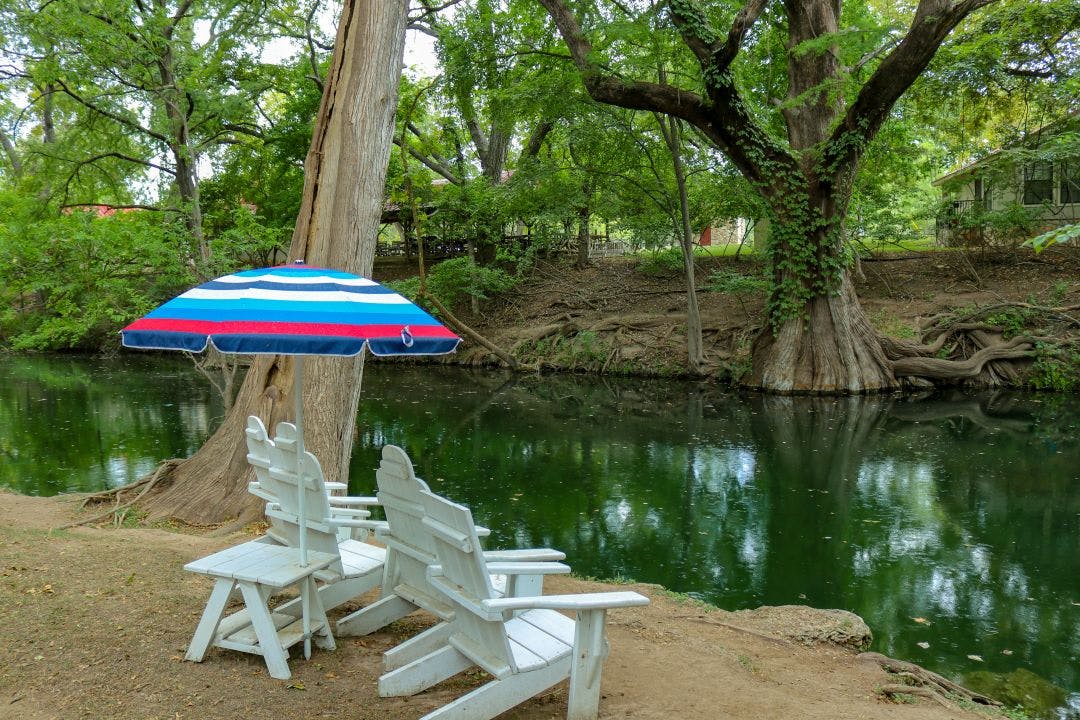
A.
pixel 817 338
pixel 339 216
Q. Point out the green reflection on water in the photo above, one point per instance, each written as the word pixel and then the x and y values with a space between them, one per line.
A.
pixel 962 510
pixel 70 424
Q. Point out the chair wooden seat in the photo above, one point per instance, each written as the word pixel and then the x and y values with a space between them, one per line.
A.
pixel 359 565
pixel 262 567
pixel 539 638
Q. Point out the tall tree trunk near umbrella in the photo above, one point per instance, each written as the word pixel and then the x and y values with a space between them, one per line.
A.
pixel 339 215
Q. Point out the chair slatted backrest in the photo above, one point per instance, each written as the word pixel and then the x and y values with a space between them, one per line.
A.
pixel 260 447
pixel 401 500
pixel 321 536
pixel 465 572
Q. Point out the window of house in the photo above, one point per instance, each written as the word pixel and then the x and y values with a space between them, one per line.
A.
pixel 1038 183
pixel 1069 192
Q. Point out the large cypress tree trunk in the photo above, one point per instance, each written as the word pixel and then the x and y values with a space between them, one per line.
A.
pixel 345 172
pixel 822 341
pixel 832 349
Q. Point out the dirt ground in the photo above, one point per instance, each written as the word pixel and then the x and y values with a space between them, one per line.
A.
pixel 612 317
pixel 94 623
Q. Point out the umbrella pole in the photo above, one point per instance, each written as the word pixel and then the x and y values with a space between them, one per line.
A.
pixel 298 386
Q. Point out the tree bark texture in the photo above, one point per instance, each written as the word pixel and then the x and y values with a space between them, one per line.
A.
pixel 832 350
pixel 339 215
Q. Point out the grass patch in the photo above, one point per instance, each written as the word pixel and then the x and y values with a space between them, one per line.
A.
pixel 727 280
pixel 892 325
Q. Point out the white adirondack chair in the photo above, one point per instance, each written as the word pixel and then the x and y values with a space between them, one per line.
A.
pixel 410 549
pixel 258 569
pixel 358 567
pixel 525 653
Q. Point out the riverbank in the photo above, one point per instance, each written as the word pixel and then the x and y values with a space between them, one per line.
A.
pixel 627 315
pixel 96 621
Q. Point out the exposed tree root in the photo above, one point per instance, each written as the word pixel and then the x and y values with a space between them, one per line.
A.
pixel 915 680
pixel 147 484
pixel 963 346
pixel 940 369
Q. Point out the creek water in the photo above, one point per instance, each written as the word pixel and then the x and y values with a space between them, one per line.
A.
pixel 950 523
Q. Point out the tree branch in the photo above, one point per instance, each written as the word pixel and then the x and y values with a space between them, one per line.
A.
pixel 109 114
pixel 11 152
pixel 536 139
pixel 933 21
pixel 434 165
pixel 723 117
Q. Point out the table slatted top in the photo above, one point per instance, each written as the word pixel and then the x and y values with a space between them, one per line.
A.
pixel 273 565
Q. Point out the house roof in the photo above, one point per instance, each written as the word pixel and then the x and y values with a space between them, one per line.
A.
pixel 988 159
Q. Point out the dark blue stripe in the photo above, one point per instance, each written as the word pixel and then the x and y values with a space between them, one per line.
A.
pixel 288 345
pixel 163 340
pixel 284 344
pixel 421 346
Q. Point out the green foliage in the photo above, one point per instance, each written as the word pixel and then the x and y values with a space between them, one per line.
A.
pixel 1012 321
pixel 978 226
pixel 72 281
pixel 661 263
pixel 727 280
pixel 454 281
pixel 1063 234
pixel 586 350
pixel 1055 368
pixel 246 241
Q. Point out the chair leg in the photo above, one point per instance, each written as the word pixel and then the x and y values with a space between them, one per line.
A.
pixel 378 614
pixel 310 594
pixel 524 586
pixel 416 647
pixel 590 650
pixel 211 618
pixel 269 644
pixel 498 696
pixel 423 673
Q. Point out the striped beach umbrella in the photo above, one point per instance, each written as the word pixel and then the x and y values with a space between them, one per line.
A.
pixel 292 310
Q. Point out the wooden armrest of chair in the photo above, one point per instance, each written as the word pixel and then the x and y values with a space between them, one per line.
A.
pixel 527 568
pixel 529 555
pixel 578 601
pixel 352 500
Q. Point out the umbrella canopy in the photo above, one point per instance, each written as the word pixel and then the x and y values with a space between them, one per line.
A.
pixel 292 310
